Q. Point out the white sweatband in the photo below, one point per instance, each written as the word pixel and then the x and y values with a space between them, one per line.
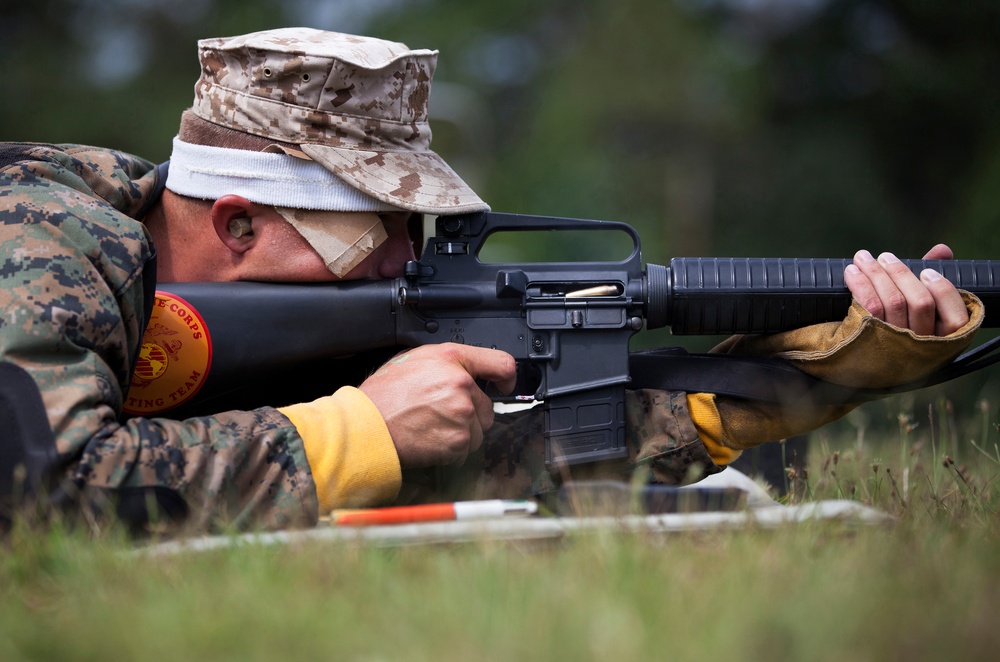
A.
pixel 202 171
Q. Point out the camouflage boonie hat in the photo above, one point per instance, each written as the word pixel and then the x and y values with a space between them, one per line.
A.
pixel 356 105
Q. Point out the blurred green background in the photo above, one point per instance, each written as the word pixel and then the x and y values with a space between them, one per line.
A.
pixel 716 127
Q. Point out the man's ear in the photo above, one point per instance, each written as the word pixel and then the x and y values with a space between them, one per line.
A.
pixel 232 219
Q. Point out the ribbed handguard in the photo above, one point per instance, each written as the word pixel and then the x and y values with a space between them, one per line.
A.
pixel 765 295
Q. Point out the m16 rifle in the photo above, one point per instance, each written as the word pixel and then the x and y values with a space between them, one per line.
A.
pixel 567 324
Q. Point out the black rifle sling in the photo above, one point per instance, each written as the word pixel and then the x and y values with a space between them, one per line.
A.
pixel 776 380
pixel 26 440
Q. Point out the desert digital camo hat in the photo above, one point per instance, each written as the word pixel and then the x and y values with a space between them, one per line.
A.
pixel 355 105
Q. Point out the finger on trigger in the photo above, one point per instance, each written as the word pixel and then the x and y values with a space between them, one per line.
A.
pixel 491 364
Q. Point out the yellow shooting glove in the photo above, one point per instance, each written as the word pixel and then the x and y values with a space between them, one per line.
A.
pixel 860 352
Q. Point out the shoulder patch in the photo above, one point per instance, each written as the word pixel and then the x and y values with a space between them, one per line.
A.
pixel 174 359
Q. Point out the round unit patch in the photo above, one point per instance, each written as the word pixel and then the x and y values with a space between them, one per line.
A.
pixel 174 359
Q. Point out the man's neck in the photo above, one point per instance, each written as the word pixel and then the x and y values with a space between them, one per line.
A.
pixel 187 249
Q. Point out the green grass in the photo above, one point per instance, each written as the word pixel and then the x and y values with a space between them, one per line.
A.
pixel 926 588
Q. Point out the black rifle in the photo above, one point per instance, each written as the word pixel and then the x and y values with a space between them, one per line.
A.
pixel 567 324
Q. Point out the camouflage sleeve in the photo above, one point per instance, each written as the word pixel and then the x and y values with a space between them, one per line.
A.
pixel 243 469
pixel 71 304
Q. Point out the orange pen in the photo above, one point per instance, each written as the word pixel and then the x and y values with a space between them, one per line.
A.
pixel 434 512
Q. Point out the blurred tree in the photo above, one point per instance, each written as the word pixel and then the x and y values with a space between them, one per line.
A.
pixel 911 83
pixel 115 73
pixel 749 127
pixel 734 126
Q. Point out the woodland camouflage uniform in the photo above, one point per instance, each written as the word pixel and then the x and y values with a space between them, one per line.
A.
pixel 72 260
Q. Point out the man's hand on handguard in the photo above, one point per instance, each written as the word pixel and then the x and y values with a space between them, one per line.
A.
pixel 428 396
pixel 886 340
pixel 929 305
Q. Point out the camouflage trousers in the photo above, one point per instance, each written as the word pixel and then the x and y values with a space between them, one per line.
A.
pixel 662 443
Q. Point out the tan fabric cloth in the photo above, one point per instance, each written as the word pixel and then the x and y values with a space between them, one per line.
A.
pixel 861 352
pixel 342 239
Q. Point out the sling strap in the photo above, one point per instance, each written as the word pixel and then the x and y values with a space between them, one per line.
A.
pixel 776 380
pixel 27 445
